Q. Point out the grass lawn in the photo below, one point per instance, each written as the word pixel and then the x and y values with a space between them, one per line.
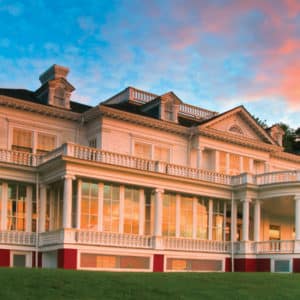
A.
pixel 60 284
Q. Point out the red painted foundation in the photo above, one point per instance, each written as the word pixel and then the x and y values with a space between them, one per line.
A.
pixel 4 258
pixel 252 265
pixel 227 264
pixel 296 265
pixel 67 259
pixel 158 263
pixel 39 259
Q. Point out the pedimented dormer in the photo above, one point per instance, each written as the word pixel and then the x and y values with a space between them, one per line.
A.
pixel 55 90
pixel 165 107
pixel 277 133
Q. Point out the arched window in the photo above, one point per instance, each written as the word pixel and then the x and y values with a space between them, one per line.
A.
pixel 236 129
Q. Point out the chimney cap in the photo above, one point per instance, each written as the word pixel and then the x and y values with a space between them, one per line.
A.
pixel 54 72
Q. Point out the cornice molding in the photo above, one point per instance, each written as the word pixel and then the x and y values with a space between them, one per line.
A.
pixel 38 108
pixel 236 139
pixel 145 121
pixel 286 156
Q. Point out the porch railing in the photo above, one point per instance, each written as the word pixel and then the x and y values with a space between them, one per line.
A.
pixel 18 238
pixel 129 161
pixel 275 246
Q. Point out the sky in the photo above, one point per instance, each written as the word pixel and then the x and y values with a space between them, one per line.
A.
pixel 216 54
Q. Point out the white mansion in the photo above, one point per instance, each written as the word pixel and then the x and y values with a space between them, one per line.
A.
pixel 142 182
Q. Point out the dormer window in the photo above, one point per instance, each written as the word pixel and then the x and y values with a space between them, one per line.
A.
pixel 169 115
pixel 59 96
pixel 236 129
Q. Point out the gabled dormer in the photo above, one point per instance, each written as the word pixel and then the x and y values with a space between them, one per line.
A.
pixel 164 107
pixel 55 89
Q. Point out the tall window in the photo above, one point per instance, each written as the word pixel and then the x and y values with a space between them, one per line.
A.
pixel 111 208
pixel 161 153
pixel 48 208
pixel 131 210
pixel 202 218
pixel 218 220
pixel 149 213
pixel 169 215
pixel 22 140
pixel 89 206
pixel 16 207
pixel 45 143
pixel 246 164
pixel 234 164
pixel 56 216
pixel 34 211
pixel 169 111
pixel 186 216
pixel 142 150
pixel 0 201
pixel 222 162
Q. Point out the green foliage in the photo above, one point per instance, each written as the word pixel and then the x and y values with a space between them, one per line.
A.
pixel 49 284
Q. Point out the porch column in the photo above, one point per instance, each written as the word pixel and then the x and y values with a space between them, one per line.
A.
pixel 177 229
pixel 245 227
pixel 78 200
pixel 233 228
pixel 158 212
pixel 297 217
pixel 141 211
pixel 257 221
pixel 217 160
pixel 200 157
pixel 210 219
pixel 67 203
pixel 42 210
pixel 3 224
pixel 195 217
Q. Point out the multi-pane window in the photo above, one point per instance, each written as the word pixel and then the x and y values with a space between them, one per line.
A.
pixel 218 220
pixel 161 153
pixel 169 111
pixel 48 209
pixel 0 201
pixel 186 216
pixel 131 210
pixel 45 143
pixel 142 150
pixel 169 215
pixel 89 206
pixel 56 216
pixel 93 143
pixel 234 164
pixel 16 207
pixel 22 140
pixel 222 162
pixel 246 164
pixel 202 218
pixel 34 211
pixel 111 208
pixel 149 214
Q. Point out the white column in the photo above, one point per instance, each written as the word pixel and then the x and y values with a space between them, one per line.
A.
pixel 100 206
pixel 122 200
pixel 3 223
pixel 267 167
pixel 177 233
pixel 251 165
pixel 158 212
pixel 195 217
pixel 141 212
pixel 78 202
pixel 28 219
pixel 67 203
pixel 257 221
pixel 245 227
pixel 233 221
pixel 210 218
pixel 42 206
pixel 297 217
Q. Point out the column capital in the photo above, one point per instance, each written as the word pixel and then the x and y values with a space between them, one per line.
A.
pixel 159 190
pixel 246 199
pixel 297 197
pixel 68 176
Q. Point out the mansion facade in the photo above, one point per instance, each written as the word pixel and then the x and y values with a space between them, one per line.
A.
pixel 142 182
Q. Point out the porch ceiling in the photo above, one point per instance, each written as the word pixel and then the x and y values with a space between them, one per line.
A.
pixel 279 206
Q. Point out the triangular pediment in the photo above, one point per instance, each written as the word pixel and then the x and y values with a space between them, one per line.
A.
pixel 170 97
pixel 238 122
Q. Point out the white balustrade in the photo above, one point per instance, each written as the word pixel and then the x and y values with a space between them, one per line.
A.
pixel 277 177
pixel 196 112
pixel 17 238
pixel 274 246
pixel 172 243
pixel 19 158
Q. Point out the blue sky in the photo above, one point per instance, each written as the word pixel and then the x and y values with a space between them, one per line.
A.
pixel 216 54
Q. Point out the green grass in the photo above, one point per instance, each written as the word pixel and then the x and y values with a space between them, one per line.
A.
pixel 60 284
